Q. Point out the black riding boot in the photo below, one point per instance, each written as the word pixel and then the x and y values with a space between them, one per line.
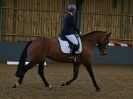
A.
pixel 72 54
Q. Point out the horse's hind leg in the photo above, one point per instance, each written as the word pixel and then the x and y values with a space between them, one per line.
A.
pixel 41 73
pixel 75 74
pixel 89 69
pixel 20 80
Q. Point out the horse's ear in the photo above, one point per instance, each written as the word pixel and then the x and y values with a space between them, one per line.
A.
pixel 109 33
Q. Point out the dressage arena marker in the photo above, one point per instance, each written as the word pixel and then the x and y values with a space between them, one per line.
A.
pixel 120 44
pixel 16 63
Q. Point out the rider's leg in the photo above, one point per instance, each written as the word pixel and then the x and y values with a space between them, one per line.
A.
pixel 72 38
pixel 73 50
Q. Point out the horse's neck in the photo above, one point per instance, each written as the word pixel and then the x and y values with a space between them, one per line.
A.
pixel 92 40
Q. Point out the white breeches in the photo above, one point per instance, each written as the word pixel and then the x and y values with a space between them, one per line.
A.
pixel 72 38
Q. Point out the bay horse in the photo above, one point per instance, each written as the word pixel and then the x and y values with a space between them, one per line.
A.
pixel 49 47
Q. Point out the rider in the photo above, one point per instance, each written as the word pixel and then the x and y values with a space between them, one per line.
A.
pixel 69 29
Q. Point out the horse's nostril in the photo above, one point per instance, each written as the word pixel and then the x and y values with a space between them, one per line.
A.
pixel 103 53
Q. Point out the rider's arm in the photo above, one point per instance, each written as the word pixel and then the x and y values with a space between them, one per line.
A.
pixel 76 29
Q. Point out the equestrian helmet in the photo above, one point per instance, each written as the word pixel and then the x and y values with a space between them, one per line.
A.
pixel 71 8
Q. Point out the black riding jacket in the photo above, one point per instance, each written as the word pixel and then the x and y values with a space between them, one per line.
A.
pixel 69 25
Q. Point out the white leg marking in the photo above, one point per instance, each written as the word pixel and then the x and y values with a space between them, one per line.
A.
pixel 45 63
pixel 17 84
pixel 50 87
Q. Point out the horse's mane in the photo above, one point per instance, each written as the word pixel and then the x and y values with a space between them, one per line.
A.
pixel 94 32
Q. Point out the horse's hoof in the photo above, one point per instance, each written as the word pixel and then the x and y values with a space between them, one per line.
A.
pixel 63 84
pixel 98 90
pixel 14 86
pixel 50 87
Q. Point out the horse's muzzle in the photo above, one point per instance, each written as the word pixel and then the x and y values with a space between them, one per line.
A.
pixel 103 53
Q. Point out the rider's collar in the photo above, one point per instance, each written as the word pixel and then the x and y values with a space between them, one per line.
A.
pixel 70 13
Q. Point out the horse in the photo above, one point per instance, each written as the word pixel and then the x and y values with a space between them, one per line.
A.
pixel 48 47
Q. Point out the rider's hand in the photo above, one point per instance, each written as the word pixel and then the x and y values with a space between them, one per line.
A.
pixel 80 33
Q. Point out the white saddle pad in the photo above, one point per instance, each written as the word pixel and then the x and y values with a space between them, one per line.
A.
pixel 65 48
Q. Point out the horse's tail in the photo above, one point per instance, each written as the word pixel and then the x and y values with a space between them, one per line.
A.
pixel 21 66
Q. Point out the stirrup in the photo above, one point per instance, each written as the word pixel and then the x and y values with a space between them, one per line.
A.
pixel 73 58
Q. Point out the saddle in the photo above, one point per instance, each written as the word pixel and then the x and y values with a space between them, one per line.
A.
pixel 66 45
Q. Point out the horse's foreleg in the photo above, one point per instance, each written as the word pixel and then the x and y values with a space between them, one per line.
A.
pixel 20 80
pixel 75 74
pixel 41 73
pixel 89 69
